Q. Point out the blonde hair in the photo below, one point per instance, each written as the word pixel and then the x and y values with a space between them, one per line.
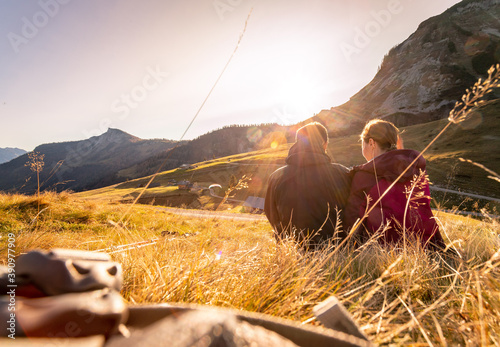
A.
pixel 385 133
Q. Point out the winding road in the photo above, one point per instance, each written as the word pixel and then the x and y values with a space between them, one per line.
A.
pixel 475 196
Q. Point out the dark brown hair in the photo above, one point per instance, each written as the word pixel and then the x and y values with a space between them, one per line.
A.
pixel 381 131
pixel 313 134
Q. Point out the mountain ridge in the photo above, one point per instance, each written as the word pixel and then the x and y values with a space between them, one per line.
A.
pixel 81 165
pixel 9 153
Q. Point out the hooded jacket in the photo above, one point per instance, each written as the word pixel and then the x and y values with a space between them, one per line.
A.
pixel 303 197
pixel 413 214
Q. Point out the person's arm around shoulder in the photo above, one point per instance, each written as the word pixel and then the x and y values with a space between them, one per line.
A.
pixel 342 183
pixel 270 208
pixel 356 197
pixel 341 168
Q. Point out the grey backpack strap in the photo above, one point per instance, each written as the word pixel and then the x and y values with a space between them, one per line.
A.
pixel 98 312
pixel 68 271
pixel 62 293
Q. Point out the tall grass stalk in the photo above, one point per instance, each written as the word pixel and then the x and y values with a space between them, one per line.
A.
pixel 122 218
pixel 36 164
pixel 240 184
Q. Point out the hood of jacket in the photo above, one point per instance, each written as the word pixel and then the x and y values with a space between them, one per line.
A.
pixel 301 155
pixel 391 164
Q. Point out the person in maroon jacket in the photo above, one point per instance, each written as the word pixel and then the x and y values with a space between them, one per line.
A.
pixel 404 212
pixel 304 196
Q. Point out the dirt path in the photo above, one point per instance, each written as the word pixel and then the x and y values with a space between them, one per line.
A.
pixel 257 217
pixel 214 214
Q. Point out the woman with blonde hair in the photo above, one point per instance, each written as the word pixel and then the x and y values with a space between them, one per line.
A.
pixel 403 213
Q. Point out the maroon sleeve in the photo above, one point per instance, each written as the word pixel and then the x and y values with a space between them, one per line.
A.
pixel 431 234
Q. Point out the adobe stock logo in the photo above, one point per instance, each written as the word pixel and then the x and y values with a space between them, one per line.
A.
pixel 282 116
pixel 151 81
pixel 31 26
pixel 363 36
pixel 223 6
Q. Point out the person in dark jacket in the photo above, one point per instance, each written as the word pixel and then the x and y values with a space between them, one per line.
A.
pixel 404 212
pixel 304 197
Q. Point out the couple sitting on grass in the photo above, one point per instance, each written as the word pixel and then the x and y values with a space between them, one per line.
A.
pixel 312 200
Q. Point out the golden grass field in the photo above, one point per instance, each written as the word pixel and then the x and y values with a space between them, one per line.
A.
pixel 397 297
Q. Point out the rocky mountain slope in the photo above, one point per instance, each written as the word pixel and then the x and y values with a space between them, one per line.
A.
pixel 7 154
pixel 81 165
pixel 420 79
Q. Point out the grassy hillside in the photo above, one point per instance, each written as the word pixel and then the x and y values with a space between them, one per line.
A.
pixel 399 298
pixel 477 140
pixel 215 144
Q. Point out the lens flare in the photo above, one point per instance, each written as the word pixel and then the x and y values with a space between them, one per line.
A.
pixel 254 134
pixel 272 140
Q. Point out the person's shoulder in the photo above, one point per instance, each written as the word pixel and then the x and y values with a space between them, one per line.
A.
pixel 408 156
pixel 278 173
pixel 354 170
pixel 408 153
pixel 414 154
pixel 362 175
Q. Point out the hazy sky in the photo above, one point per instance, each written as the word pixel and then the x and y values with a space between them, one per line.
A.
pixel 69 69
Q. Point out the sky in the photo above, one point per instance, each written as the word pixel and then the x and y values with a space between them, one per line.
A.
pixel 71 69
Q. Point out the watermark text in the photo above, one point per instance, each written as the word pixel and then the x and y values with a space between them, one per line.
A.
pixel 30 27
pixel 363 35
pixel 11 286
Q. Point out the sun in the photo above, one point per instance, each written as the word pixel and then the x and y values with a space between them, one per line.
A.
pixel 300 94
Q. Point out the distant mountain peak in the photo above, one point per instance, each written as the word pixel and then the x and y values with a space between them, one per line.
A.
pixel 117 135
pixel 116 130
pixel 84 164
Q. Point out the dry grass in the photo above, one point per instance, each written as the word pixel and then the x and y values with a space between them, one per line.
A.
pixel 397 297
